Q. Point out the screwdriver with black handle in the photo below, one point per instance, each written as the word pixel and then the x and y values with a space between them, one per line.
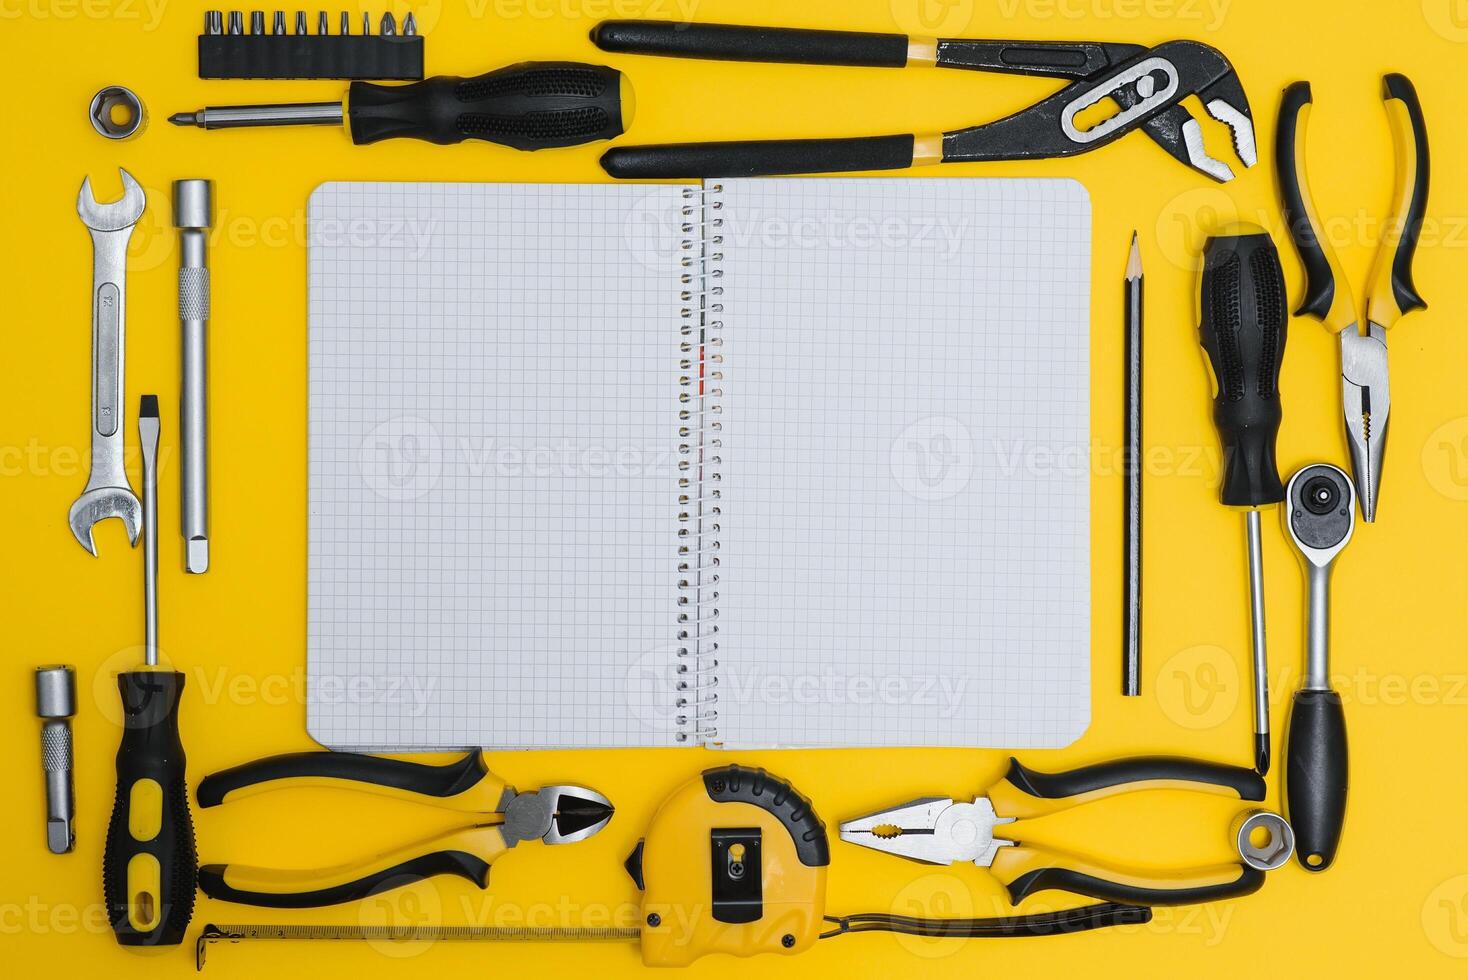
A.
pixel 149 866
pixel 534 105
pixel 1243 331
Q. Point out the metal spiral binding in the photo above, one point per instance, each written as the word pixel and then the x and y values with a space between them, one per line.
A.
pixel 700 447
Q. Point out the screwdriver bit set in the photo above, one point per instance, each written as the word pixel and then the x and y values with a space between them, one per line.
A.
pixel 293 50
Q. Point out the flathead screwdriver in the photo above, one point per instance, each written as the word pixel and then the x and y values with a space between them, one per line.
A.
pixel 1243 331
pixel 530 106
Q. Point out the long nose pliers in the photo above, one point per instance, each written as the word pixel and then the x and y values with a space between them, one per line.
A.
pixel 1146 84
pixel 500 818
pixel 1391 294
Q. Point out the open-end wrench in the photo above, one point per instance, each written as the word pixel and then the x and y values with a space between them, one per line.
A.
pixel 108 493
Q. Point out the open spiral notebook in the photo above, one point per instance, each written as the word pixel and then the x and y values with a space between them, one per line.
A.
pixel 791 462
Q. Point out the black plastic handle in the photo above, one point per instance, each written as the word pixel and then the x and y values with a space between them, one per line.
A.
pixel 368 770
pixel 736 784
pixel 1413 178
pixel 1316 776
pixel 214 882
pixel 1299 212
pixel 149 862
pixel 1136 772
pixel 1244 331
pixel 1249 880
pixel 534 105
pixel 758 158
pixel 730 42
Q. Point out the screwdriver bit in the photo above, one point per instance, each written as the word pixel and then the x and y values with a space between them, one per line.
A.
pixel 257 22
pixel 346 24
pixel 322 26
pixel 56 704
pixel 301 22
pixel 366 23
pixel 213 22
pixel 277 25
pixel 236 22
pixel 387 27
pixel 410 26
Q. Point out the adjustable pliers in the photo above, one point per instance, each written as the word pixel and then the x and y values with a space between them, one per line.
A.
pixel 1148 86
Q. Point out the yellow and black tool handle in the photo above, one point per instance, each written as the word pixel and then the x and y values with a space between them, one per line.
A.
pixel 1026 870
pixel 466 853
pixel 149 862
pixel 1392 293
pixel 1025 794
pixel 466 784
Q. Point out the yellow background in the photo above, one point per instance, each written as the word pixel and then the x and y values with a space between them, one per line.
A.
pixel 1397 899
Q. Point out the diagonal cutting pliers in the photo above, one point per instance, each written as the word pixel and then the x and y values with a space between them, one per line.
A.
pixel 937 830
pixel 1391 293
pixel 1147 85
pixel 501 818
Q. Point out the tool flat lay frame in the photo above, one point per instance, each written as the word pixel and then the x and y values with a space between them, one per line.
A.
pixel 199 298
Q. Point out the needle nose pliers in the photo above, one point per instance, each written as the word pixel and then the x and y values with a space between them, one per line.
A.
pixel 1147 85
pixel 1391 294
pixel 936 830
pixel 501 817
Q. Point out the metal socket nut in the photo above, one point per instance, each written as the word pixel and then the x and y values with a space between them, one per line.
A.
pixel 56 692
pixel 117 113
pixel 1265 840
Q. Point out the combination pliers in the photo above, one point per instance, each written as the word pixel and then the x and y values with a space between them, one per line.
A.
pixel 1391 294
pixel 1147 84
pixel 937 830
pixel 501 818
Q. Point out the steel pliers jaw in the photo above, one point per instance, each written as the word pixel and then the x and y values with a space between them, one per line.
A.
pixel 934 830
pixel 497 819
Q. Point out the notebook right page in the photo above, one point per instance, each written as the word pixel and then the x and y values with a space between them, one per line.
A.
pixel 905 529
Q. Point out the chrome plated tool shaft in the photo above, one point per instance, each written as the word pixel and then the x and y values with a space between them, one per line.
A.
pixel 56 704
pixel 193 215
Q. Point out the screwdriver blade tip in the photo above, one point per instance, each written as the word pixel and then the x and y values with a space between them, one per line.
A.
pixel 183 119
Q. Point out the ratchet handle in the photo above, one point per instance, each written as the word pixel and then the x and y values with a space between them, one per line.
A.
pixel 1027 871
pixel 1024 793
pixel 729 42
pixel 366 773
pixel 534 105
pixel 759 158
pixel 1316 776
pixel 1393 294
pixel 1327 296
pixel 149 861
pixel 1243 332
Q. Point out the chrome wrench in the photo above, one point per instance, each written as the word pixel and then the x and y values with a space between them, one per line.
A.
pixel 108 493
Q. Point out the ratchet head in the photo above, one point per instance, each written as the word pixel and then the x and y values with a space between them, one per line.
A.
pixel 934 830
pixel 1320 513
pixel 555 815
pixel 100 504
pixel 1366 397
pixel 116 215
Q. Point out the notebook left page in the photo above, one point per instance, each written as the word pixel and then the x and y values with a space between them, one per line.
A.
pixel 492 490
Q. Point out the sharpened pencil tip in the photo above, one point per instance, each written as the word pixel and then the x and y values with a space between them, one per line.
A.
pixel 1134 260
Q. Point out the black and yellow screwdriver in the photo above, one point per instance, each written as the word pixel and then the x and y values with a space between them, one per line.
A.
pixel 534 105
pixel 149 866
pixel 1243 331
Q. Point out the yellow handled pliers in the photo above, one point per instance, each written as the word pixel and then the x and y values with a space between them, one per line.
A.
pixel 502 819
pixel 1365 388
pixel 989 831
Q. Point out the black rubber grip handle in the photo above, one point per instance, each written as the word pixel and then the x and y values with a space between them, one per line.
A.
pixel 534 105
pixel 149 861
pixel 1244 331
pixel 729 42
pixel 736 784
pixel 1316 776
pixel 1246 783
pixel 1248 881
pixel 758 158
pixel 1399 87
pixel 1305 231
pixel 370 770
pixel 213 881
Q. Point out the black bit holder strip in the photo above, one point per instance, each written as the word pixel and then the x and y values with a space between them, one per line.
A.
pixel 312 56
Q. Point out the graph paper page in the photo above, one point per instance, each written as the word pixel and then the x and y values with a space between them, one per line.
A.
pixel 493 517
pixel 905 519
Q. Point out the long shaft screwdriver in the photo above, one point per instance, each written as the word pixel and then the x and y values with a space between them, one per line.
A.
pixel 149 866
pixel 1243 331
pixel 534 105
